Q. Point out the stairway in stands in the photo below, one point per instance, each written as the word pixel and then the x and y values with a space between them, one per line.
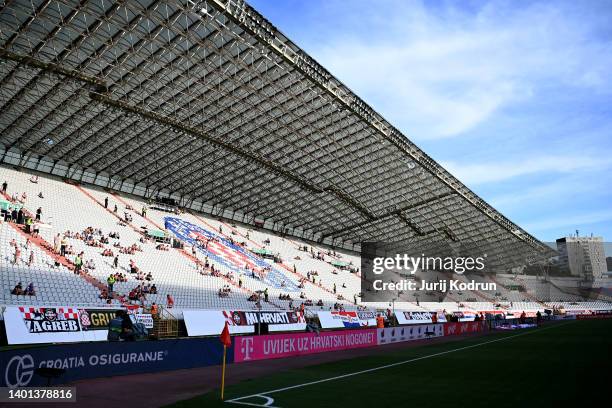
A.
pixel 49 250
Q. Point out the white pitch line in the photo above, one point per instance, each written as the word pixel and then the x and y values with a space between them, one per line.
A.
pixel 369 370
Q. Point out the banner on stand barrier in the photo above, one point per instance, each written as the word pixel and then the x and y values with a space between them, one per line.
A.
pixel 409 333
pixel 354 319
pixel 419 317
pixel 211 322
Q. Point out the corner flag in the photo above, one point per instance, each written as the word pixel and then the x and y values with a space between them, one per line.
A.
pixel 225 336
pixel 226 340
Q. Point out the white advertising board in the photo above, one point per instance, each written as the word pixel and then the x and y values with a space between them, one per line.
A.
pixel 211 322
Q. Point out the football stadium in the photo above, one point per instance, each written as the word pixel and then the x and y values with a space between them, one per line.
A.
pixel 195 212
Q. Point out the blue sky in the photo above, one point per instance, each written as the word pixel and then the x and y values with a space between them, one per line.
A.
pixel 514 98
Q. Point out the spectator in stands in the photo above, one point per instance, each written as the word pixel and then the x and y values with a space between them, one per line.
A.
pixel 4 187
pixel 153 290
pixel 133 295
pixel 30 290
pixel 127 327
pixel 63 246
pixel 17 290
pixel 103 294
pixel 38 213
pixel 34 179
pixel 105 202
pixel 133 267
pixel 31 259
pixel 115 327
pixel 17 255
pixel 20 217
pixel 14 215
pixel 154 310
pixel 28 225
pixel 78 263
pixel 169 301
pixel 111 282
pixel 380 321
pixel 266 294
pixel 115 209
pixel 116 262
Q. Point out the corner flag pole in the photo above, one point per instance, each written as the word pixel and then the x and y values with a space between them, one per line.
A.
pixel 226 340
pixel 223 373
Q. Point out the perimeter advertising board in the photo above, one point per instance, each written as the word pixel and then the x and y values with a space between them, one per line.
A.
pixel 91 360
pixel 249 348
pixel 34 324
pixel 398 334
pixel 353 319
pixel 419 317
pixel 211 322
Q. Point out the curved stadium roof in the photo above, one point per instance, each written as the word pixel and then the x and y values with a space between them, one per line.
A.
pixel 207 102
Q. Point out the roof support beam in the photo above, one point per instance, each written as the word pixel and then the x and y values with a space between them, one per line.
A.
pixel 397 212
pixel 152 116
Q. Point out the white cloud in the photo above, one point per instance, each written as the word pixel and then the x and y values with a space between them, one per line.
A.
pixel 483 172
pixel 563 188
pixel 441 72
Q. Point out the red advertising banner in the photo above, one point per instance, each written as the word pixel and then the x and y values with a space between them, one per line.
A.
pixel 249 348
pixel 454 329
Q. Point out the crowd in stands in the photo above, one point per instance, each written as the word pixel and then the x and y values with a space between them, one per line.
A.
pixel 251 277
pixel 91 236
pixel 28 291
pixel 224 291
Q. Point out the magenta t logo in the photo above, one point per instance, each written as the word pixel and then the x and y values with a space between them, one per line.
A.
pixel 246 346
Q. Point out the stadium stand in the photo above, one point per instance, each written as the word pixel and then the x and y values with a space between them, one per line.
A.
pixel 259 176
pixel 304 271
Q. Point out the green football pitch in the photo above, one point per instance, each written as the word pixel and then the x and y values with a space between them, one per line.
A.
pixel 562 364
